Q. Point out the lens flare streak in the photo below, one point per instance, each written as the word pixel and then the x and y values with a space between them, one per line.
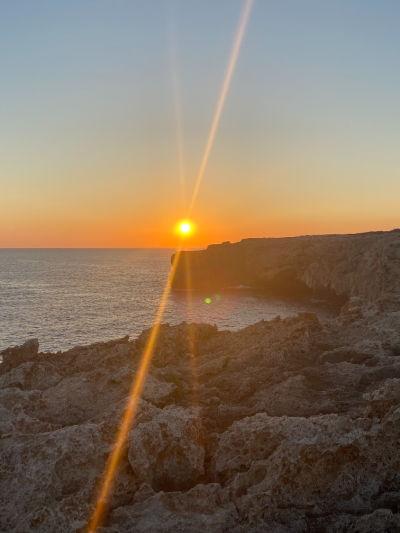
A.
pixel 140 377
pixel 192 342
pixel 131 408
pixel 221 101
pixel 177 99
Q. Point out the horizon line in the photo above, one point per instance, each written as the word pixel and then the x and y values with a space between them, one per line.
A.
pixel 192 247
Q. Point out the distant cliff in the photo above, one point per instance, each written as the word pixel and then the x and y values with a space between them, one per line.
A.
pixel 365 265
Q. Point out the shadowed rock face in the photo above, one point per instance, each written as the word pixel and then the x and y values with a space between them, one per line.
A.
pixel 284 426
pixel 365 265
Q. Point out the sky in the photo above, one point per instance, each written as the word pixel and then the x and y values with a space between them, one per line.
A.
pixel 94 93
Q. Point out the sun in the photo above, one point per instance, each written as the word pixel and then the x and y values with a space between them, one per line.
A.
pixel 185 227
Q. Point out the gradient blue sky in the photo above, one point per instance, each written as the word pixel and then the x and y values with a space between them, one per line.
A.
pixel 307 143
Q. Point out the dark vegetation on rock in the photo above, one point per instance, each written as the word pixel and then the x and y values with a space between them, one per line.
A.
pixel 285 426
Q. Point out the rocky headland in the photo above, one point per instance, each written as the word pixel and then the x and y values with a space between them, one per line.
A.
pixel 366 265
pixel 285 426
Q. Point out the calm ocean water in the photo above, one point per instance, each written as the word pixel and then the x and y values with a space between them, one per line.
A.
pixel 69 297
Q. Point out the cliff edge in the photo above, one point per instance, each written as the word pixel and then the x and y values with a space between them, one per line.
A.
pixel 366 265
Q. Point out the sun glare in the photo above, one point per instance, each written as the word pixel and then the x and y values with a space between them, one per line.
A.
pixel 185 227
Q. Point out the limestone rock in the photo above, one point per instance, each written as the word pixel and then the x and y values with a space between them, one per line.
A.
pixel 285 426
pixel 382 399
pixel 202 508
pixel 166 452
pixel 365 265
pixel 49 478
pixel 157 391
pixel 15 356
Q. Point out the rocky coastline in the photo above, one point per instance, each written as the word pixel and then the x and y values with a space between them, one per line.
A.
pixel 366 265
pixel 286 426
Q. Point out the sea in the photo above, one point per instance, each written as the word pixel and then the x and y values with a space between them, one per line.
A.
pixel 71 297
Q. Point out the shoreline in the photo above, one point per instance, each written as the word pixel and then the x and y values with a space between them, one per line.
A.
pixel 289 425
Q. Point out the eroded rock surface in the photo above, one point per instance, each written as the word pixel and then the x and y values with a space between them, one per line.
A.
pixel 365 265
pixel 285 426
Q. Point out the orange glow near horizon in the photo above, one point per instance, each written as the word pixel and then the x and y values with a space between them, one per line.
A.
pixel 210 228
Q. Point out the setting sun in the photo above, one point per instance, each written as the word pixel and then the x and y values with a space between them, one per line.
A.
pixel 185 227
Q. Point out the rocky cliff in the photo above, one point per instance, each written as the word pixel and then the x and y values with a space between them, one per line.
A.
pixel 285 426
pixel 365 265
